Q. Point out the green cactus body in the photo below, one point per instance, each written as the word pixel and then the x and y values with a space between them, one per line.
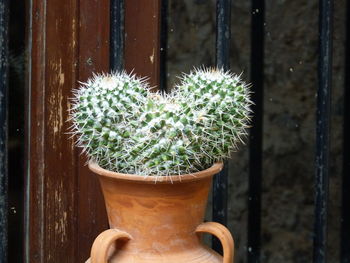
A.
pixel 128 129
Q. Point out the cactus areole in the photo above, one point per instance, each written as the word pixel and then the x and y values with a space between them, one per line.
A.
pixel 126 128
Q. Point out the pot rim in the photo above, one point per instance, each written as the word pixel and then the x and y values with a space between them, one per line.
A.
pixel 214 169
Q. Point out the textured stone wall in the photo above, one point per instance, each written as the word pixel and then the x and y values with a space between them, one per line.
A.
pixel 291 44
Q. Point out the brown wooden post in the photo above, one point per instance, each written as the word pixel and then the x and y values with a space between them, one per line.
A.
pixel 69 40
pixel 52 76
pixel 142 38
pixel 65 212
pixel 93 57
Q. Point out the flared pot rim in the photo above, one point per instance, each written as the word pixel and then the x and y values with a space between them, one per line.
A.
pixel 214 169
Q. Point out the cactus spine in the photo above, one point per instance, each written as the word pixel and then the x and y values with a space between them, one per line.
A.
pixel 126 128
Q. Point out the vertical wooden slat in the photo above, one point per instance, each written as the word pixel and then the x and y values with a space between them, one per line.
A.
pixel 142 35
pixel 34 180
pixel 4 21
pixel 255 151
pixel 220 185
pixel 60 180
pixel 52 173
pixel 68 40
pixel 323 117
pixel 93 57
pixel 345 221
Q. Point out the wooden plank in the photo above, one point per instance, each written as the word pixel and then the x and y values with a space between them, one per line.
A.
pixel 93 57
pixel 34 251
pixel 66 211
pixel 52 172
pixel 70 40
pixel 142 38
pixel 60 179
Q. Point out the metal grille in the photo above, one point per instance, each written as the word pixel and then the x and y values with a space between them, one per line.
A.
pixel 220 186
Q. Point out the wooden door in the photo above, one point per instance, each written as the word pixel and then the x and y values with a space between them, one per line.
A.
pixel 68 40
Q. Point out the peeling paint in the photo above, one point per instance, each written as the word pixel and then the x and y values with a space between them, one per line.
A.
pixel 56 101
pixel 151 58
pixel 61 79
pixel 74 26
pixel 61 224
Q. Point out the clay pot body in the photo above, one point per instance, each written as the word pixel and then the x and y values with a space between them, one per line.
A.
pixel 157 222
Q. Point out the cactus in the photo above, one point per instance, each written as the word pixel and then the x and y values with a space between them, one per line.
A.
pixel 126 128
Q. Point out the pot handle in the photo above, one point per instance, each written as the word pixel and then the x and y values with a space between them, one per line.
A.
pixel 223 234
pixel 99 250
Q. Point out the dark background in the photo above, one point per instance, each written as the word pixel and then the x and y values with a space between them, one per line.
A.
pixel 17 102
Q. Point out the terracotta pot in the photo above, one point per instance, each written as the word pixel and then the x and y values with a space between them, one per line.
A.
pixel 158 222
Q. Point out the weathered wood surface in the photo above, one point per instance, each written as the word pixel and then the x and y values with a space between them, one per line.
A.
pixel 142 38
pixel 69 41
pixel 93 57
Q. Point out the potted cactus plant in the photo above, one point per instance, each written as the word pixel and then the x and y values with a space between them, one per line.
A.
pixel 155 155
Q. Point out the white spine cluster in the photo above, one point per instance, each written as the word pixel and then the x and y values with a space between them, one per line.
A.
pixel 128 129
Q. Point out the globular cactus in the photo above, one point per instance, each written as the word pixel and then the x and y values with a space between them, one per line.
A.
pixel 221 103
pixel 103 110
pixel 128 129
